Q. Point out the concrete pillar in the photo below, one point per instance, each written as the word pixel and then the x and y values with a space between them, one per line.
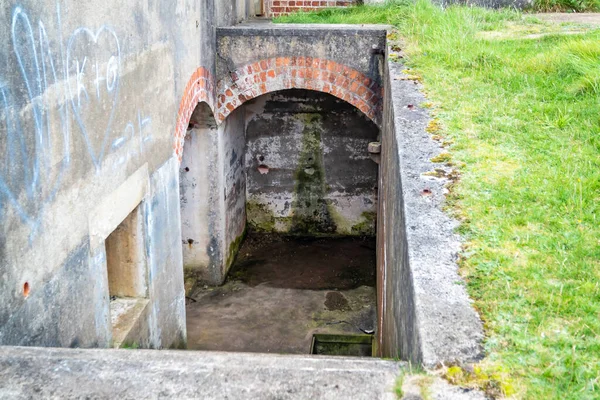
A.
pixel 201 194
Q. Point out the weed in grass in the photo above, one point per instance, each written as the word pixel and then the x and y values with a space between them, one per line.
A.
pixel 442 158
pixel 434 126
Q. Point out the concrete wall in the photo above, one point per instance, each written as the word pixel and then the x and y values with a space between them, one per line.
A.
pixel 234 143
pixel 89 93
pixel 307 164
pixel 425 313
pixel 358 47
pixel 199 186
pixel 213 194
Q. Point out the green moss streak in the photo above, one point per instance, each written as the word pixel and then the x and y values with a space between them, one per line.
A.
pixel 311 214
pixel 234 247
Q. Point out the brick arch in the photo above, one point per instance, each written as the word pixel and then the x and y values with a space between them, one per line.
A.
pixel 200 88
pixel 310 73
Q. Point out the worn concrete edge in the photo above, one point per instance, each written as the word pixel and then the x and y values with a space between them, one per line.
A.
pixel 201 357
pixel 30 372
pixel 449 329
pixel 300 29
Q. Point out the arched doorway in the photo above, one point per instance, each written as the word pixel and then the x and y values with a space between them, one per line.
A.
pixel 295 172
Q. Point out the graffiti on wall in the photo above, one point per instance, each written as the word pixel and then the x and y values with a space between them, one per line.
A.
pixel 52 88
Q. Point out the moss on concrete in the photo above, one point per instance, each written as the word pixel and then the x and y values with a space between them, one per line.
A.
pixel 234 247
pixel 367 226
pixel 311 214
pixel 260 218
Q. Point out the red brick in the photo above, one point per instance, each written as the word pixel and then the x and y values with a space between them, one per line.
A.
pixel 271 73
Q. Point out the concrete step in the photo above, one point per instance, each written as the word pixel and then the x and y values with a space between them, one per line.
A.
pixel 28 372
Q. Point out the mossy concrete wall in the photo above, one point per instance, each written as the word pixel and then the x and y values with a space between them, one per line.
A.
pixel 307 165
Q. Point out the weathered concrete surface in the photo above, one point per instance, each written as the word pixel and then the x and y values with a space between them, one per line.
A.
pixel 282 290
pixel 102 374
pixel 431 387
pixel 213 194
pixel 358 47
pixel 264 319
pixel 307 166
pixel 200 194
pixel 214 163
pixel 89 93
pixel 427 314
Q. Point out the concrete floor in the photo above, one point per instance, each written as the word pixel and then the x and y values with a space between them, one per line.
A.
pixel 282 290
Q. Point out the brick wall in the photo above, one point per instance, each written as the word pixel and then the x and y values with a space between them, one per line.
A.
pixel 275 8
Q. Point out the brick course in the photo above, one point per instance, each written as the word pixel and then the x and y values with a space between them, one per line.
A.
pixel 274 74
pixel 275 8
pixel 199 88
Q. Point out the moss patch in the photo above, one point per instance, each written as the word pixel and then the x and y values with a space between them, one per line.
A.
pixel 259 217
pixel 442 158
pixel 234 247
pixel 367 226
pixel 311 214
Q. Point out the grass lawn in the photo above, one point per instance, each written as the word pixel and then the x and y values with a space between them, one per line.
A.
pixel 520 103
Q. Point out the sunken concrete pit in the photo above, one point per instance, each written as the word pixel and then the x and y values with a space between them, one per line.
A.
pixel 296 201
pixel 295 120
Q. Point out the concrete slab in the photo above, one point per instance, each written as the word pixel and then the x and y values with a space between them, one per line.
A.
pixel 281 291
pixel 127 374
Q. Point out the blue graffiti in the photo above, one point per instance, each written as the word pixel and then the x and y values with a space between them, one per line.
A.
pixel 78 82
pixel 95 134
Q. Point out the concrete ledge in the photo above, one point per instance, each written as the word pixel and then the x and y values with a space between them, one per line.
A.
pixel 27 372
pixel 355 46
pixel 432 319
pixel 287 30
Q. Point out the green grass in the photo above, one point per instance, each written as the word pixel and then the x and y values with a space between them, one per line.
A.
pixel 566 5
pixel 524 116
